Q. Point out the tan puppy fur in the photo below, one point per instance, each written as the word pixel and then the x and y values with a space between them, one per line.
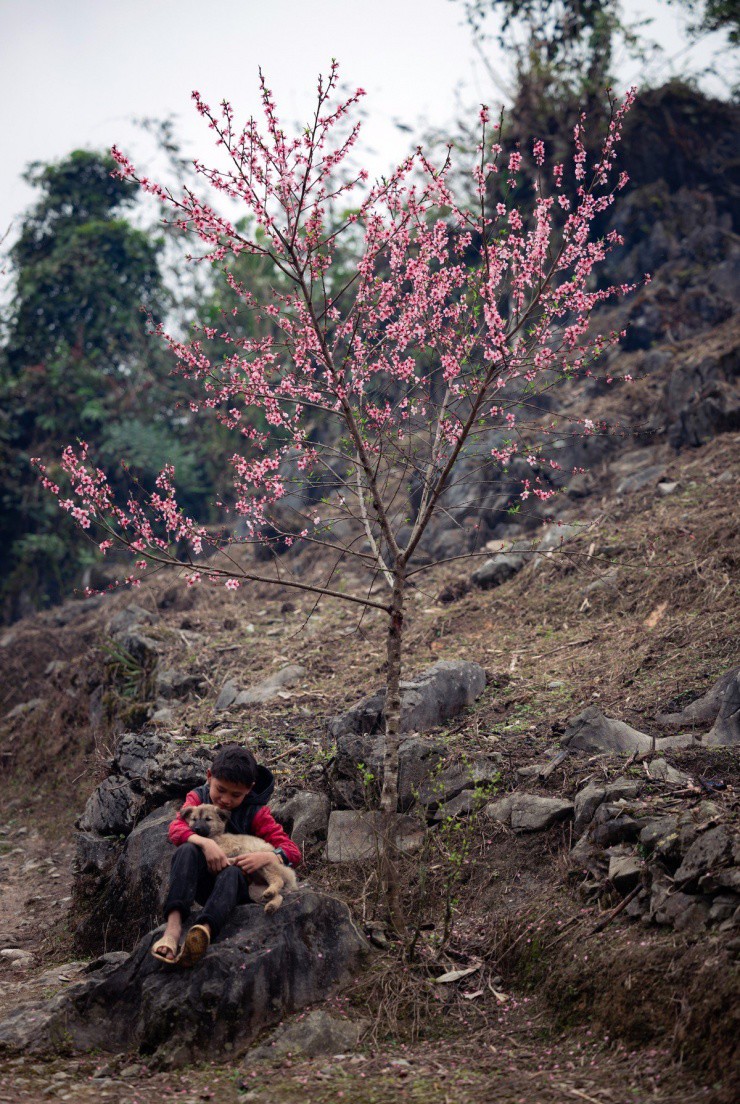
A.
pixel 210 821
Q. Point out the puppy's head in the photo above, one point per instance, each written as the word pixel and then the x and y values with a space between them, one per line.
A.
pixel 206 820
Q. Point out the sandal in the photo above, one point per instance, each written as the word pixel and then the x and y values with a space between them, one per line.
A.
pixel 197 942
pixel 160 946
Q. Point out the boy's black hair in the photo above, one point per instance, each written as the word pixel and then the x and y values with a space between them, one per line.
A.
pixel 234 763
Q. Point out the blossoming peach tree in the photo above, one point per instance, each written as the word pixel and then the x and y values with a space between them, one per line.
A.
pixel 455 315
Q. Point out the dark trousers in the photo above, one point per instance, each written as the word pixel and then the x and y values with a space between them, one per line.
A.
pixel 191 880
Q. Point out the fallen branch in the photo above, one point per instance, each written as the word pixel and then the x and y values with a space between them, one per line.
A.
pixel 615 912
pixel 560 647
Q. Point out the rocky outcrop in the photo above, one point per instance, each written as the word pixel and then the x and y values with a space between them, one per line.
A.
pixel 428 774
pixel 684 865
pixel 260 970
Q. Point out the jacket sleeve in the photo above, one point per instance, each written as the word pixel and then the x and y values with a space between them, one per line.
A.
pixel 178 831
pixel 267 828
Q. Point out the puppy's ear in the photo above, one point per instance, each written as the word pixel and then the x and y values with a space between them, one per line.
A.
pixel 224 815
pixel 187 814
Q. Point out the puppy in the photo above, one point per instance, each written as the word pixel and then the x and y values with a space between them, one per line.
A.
pixel 210 821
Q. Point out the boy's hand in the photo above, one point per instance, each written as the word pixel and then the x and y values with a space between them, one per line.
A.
pixel 215 857
pixel 248 864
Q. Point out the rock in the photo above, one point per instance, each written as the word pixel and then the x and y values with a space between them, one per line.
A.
pixel 142 649
pixel 661 771
pixel 592 795
pixel 112 809
pixel 426 774
pixel 271 687
pixel 177 684
pixel 625 870
pixel 592 731
pixel 305 817
pixel 149 769
pixel 585 805
pixel 623 789
pixel 130 617
pixel 357 837
pixel 260 970
pixel 427 701
pixel 723 907
pixel 728 878
pixel 665 489
pixel 658 829
pixel 533 770
pixel 24 708
pixel 59 975
pixel 530 813
pixel 95 856
pixel 17 956
pixel 163 716
pixel 726 729
pixel 227 695
pixel 467 802
pixel 315 1034
pixel 681 911
pixel 710 851
pixel 133 899
pixel 500 810
pixel 703 710
pixel 684 740
pixel 109 961
pixel 612 824
pixel 645 477
pixel 497 570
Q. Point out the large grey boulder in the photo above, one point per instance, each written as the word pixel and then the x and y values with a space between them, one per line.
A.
pixel 427 701
pixel 304 816
pixel 726 729
pixel 427 773
pixel 120 885
pixel 592 731
pixel 260 970
pixel 362 837
pixel 498 570
pixel 271 687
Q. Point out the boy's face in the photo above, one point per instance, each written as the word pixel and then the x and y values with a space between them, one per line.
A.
pixel 226 795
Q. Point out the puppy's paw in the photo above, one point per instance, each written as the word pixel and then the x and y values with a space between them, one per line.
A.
pixel 274 904
pixel 270 893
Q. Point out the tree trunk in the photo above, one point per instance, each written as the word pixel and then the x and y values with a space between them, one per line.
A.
pixel 389 794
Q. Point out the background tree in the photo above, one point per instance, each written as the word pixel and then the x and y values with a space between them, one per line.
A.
pixel 78 360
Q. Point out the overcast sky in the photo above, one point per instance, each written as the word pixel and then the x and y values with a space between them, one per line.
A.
pixel 75 73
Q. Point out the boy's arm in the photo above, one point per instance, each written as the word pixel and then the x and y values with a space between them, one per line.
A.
pixel 267 828
pixel 178 831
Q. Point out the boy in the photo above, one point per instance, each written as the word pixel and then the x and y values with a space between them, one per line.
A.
pixel 201 870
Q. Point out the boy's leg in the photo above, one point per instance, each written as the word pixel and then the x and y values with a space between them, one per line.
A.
pixel 190 880
pixel 230 889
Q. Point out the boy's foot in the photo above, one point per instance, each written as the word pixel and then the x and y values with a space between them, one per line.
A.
pixel 164 949
pixel 197 942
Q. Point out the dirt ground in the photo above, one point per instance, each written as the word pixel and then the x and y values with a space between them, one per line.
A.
pixel 507 1048
pixel 625 1015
